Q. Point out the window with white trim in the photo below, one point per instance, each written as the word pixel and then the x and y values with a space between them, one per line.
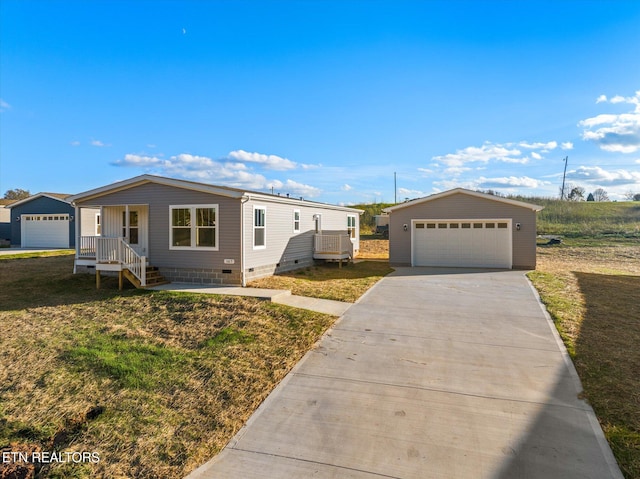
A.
pixel 193 227
pixel 296 221
pixel 351 226
pixel 259 227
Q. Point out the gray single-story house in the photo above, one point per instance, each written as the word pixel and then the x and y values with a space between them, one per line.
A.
pixel 202 233
pixel 463 228
pixel 43 220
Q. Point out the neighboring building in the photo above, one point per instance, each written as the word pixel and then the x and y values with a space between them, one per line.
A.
pixel 202 233
pixel 463 228
pixel 5 221
pixel 43 220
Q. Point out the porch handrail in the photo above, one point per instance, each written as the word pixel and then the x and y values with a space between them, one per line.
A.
pixel 117 250
pixel 87 247
pixel 333 244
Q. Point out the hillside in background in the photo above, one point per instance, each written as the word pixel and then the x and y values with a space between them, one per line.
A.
pixel 567 218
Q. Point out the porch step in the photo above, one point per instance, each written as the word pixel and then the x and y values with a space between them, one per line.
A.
pixel 154 278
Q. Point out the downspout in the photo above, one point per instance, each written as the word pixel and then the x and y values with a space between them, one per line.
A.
pixel 243 280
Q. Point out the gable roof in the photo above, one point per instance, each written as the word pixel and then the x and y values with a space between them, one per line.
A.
pixel 227 191
pixel 64 197
pixel 464 191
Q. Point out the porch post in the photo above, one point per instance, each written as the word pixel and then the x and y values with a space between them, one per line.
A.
pixel 97 278
pixel 78 235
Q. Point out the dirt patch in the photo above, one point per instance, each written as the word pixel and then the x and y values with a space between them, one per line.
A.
pixel 374 249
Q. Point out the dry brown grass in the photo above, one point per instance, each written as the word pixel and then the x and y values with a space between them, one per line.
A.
pixel 328 281
pixel 374 249
pixel 592 290
pixel 156 383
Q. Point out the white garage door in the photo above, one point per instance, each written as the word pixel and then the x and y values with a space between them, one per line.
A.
pixel 44 231
pixel 462 243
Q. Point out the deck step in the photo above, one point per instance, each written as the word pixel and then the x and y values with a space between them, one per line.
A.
pixel 153 277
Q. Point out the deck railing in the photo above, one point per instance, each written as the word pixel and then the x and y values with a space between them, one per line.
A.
pixel 117 251
pixel 338 244
pixel 87 247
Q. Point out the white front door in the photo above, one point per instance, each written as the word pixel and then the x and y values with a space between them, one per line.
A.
pixel 134 221
pixel 480 243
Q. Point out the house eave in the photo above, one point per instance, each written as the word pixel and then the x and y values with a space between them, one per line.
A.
pixel 477 194
pixel 39 195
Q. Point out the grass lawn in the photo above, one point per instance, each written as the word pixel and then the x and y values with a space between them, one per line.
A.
pixel 156 383
pixel 591 288
pixel 327 281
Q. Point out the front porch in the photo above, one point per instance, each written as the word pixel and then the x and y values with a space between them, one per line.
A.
pixel 116 255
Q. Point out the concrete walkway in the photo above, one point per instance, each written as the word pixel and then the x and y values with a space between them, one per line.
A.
pixel 335 308
pixel 434 373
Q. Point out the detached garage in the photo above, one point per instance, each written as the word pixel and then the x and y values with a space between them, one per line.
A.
pixel 42 221
pixel 463 228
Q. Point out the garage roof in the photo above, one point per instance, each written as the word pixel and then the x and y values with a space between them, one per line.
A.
pixel 54 196
pixel 464 191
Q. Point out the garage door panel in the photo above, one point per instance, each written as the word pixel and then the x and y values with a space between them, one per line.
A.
pixel 477 243
pixel 45 231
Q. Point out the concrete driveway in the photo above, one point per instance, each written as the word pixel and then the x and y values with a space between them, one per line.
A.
pixel 434 373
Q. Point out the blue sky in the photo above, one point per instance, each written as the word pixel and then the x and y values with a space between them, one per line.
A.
pixel 322 99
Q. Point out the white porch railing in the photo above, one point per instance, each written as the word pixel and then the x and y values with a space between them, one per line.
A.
pixel 117 251
pixel 333 244
pixel 87 247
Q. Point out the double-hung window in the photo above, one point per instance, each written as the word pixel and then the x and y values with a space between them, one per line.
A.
pixel 193 227
pixel 351 226
pixel 296 221
pixel 259 227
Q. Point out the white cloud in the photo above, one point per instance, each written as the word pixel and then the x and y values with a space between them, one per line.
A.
pixel 494 152
pixel 4 105
pixel 485 153
pixel 271 162
pixel 301 189
pixel 408 193
pixel 551 145
pixel 601 99
pixel 208 170
pixel 75 143
pixel 566 145
pixel 98 143
pixel 602 177
pixel 615 132
pixel 346 187
pixel 511 182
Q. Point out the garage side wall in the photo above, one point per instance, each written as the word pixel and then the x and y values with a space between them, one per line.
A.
pixel 461 206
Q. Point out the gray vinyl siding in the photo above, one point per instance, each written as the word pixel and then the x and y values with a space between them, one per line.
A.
pixel 283 246
pixel 41 205
pixel 159 198
pixel 464 206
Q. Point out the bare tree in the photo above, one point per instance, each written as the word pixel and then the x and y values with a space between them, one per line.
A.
pixel 576 194
pixel 600 195
pixel 16 194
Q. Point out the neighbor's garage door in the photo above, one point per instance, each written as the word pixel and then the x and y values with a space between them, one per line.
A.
pixel 462 243
pixel 44 231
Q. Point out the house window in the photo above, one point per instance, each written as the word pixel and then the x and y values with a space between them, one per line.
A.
pixel 296 221
pixel 194 227
pixel 132 226
pixel 351 226
pixel 98 225
pixel 259 227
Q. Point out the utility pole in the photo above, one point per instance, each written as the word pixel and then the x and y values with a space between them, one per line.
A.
pixel 566 161
pixel 395 189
